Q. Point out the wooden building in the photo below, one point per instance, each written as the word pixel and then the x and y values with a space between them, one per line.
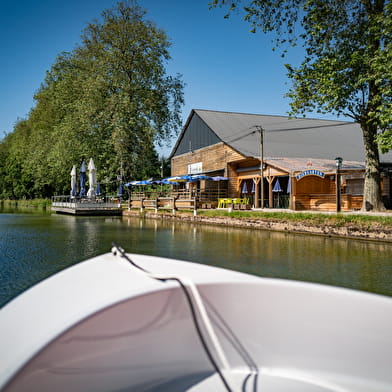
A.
pixel 299 170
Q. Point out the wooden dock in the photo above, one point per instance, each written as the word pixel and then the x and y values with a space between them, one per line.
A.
pixel 86 207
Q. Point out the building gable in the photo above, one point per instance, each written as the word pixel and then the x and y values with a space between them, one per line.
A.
pixel 283 136
pixel 195 135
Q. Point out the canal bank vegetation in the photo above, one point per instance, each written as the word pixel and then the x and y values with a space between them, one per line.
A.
pixel 369 227
pixel 337 220
pixel 39 204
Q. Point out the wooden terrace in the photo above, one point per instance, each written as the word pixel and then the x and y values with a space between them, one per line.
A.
pixel 84 206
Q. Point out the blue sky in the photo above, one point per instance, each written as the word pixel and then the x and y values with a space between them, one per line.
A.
pixel 224 66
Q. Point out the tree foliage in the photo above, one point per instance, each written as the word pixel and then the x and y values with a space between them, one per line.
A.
pixel 110 99
pixel 346 69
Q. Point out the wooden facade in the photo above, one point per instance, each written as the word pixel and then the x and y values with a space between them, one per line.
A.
pixel 287 181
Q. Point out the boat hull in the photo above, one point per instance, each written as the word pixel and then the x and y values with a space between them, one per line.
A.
pixel 104 325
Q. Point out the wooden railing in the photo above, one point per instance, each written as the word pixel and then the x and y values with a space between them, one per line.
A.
pixel 200 195
pixel 165 203
pixel 85 203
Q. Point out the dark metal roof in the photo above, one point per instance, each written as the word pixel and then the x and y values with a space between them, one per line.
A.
pixel 284 136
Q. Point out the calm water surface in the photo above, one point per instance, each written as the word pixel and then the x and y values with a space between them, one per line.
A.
pixel 34 246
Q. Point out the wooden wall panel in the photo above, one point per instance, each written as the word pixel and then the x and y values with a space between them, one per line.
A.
pixel 214 158
pixel 327 202
pixel 315 185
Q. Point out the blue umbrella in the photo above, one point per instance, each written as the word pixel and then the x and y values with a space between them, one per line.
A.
pixel 82 185
pixel 143 182
pixel 73 192
pixel 253 187
pixel 183 178
pixel 277 187
pixel 219 178
pixel 164 181
pixel 120 190
pixel 289 185
pixel 98 189
pixel 199 177
pixel 82 172
pixel 131 183
pixel 245 188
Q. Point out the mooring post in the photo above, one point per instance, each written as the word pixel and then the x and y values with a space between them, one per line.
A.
pixel 174 205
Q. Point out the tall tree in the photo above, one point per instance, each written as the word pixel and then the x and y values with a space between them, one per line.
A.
pixel 347 66
pixel 141 104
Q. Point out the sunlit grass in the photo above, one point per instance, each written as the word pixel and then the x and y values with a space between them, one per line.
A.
pixel 365 221
pixel 42 204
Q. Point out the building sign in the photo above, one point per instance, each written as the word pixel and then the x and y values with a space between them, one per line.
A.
pixel 195 168
pixel 311 172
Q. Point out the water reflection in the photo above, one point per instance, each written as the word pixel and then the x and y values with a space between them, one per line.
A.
pixel 34 246
pixel 350 263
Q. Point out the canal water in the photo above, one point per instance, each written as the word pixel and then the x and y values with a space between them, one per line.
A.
pixel 34 246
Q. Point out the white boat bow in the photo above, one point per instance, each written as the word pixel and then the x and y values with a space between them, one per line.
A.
pixel 106 325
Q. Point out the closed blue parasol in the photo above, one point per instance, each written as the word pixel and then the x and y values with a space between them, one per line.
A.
pixel 73 192
pixel 120 190
pixel 245 188
pixel 253 187
pixel 289 185
pixel 98 189
pixel 82 178
pixel 277 187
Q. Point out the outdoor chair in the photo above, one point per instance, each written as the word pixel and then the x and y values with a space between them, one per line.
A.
pixel 224 203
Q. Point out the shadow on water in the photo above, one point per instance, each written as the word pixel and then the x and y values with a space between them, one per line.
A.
pixel 34 246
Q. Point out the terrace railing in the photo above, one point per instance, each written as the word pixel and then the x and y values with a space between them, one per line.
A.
pixel 184 194
pixel 76 202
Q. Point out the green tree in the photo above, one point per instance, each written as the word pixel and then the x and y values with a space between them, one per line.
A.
pixel 140 102
pixel 16 181
pixel 110 99
pixel 347 66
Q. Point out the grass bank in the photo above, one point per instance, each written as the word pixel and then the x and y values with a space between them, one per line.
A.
pixel 39 204
pixel 358 226
pixel 336 220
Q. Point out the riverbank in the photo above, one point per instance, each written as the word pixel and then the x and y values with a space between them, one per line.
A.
pixel 39 204
pixel 358 226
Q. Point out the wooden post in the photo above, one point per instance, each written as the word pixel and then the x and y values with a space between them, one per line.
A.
pixel 256 181
pixel 194 206
pixel 270 179
pixel 174 205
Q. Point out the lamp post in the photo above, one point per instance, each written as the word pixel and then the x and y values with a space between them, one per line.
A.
pixel 339 162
